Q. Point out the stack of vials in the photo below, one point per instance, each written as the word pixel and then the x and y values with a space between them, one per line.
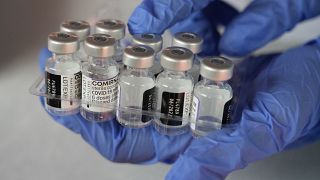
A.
pixel 138 85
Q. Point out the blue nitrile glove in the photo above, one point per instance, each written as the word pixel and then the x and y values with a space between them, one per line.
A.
pixel 280 108
pixel 120 144
pixel 261 22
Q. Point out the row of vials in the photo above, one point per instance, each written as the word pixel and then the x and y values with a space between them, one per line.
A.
pixel 140 84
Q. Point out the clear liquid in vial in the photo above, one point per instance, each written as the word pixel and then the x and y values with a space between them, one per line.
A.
pixel 133 90
pixel 209 111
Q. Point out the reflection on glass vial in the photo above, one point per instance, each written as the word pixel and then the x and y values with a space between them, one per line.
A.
pixel 80 29
pixel 193 42
pixel 155 42
pixel 137 86
pixel 62 75
pixel 116 29
pixel 174 91
pixel 212 96
pixel 99 79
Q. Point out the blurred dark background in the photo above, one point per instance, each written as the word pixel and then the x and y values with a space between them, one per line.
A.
pixel 33 146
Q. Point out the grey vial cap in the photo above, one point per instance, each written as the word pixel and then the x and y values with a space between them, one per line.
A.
pixel 152 40
pixel 138 56
pixel 216 68
pixel 99 45
pixel 113 27
pixel 176 58
pixel 188 40
pixel 79 28
pixel 62 43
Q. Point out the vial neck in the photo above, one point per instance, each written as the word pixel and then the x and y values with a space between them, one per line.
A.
pixel 138 71
pixel 99 61
pixel 176 73
pixel 215 83
pixel 62 57
pixel 117 44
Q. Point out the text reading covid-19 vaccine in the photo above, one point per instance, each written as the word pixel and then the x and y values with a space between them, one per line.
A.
pixel 80 29
pixel 99 79
pixel 212 96
pixel 193 42
pixel 137 87
pixel 62 75
pixel 116 29
pixel 155 42
pixel 174 88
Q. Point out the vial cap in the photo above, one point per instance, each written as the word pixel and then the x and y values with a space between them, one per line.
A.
pixel 188 40
pixel 62 43
pixel 99 45
pixel 113 27
pixel 216 68
pixel 176 58
pixel 138 56
pixel 79 28
pixel 152 40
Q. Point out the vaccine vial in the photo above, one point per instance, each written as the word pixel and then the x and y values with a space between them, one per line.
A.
pixel 80 29
pixel 193 42
pixel 99 79
pixel 62 75
pixel 155 42
pixel 212 96
pixel 174 88
pixel 137 87
pixel 116 29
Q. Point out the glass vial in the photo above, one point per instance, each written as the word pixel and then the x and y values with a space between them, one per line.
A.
pixel 62 75
pixel 155 42
pixel 116 29
pixel 99 79
pixel 193 42
pixel 137 86
pixel 174 91
pixel 212 96
pixel 80 29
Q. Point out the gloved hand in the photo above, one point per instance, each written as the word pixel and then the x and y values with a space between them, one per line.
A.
pixel 261 22
pixel 279 108
pixel 279 105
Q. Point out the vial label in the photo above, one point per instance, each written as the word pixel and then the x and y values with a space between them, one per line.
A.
pixel 226 118
pixel 148 103
pixel 194 112
pixel 63 87
pixel 96 93
pixel 175 104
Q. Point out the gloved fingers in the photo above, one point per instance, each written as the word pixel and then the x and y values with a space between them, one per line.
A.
pixel 263 21
pixel 205 22
pixel 155 16
pixel 198 24
pixel 43 57
pixel 281 106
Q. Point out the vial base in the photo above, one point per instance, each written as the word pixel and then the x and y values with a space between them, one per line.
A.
pixel 133 120
pixel 97 116
pixel 204 126
pixel 61 111
pixel 170 130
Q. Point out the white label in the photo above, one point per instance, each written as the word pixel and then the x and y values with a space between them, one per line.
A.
pixel 194 112
pixel 186 104
pixel 96 94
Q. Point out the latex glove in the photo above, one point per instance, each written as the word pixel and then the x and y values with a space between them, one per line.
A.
pixel 280 106
pixel 261 22
pixel 120 144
